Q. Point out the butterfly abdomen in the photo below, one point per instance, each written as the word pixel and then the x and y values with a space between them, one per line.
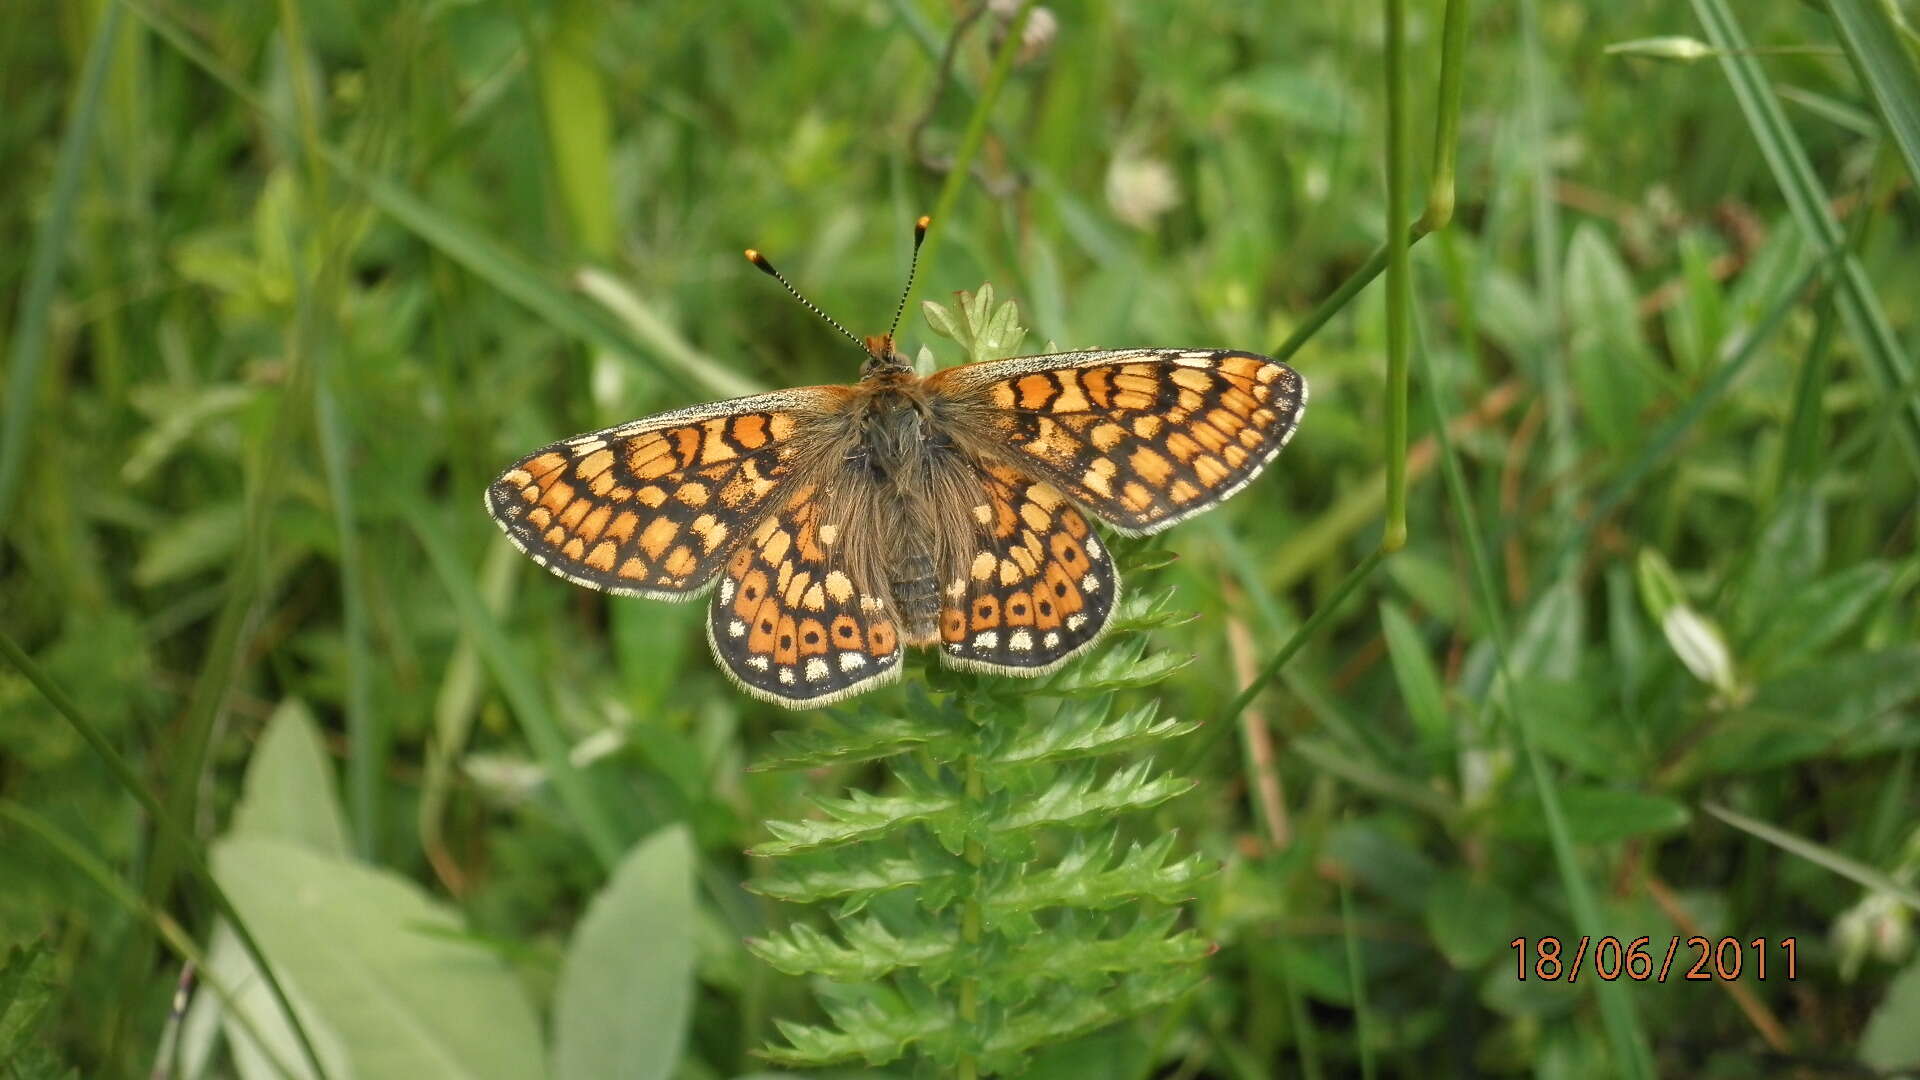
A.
pixel 916 594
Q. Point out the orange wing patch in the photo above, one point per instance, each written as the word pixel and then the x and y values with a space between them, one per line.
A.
pixel 1143 438
pixel 1038 588
pixel 653 508
pixel 789 625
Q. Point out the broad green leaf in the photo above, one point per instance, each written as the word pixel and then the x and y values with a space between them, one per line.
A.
pixel 381 966
pixel 229 966
pixel 1548 643
pixel 1470 920
pixel 1419 682
pixel 289 793
pixel 1608 352
pixel 1891 1041
pixel 1817 613
pixel 626 986
pixel 194 541
pixel 1596 815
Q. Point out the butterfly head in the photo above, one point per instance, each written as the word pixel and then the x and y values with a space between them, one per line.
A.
pixel 883 357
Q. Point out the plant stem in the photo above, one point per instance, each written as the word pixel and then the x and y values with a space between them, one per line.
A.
pixel 1398 274
pixel 976 857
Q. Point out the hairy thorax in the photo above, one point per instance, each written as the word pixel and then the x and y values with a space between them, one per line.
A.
pixel 901 497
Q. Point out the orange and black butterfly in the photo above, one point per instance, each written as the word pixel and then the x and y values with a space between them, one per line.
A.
pixel 844 523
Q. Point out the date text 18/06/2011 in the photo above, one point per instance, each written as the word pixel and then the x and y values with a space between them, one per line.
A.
pixel 1639 959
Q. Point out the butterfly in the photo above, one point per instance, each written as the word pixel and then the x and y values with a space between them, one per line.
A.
pixel 838 525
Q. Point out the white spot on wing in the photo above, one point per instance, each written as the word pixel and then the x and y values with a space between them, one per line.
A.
pixel 757 663
pixel 736 628
pixel 1075 622
pixel 850 661
pixel 726 590
pixel 1052 639
pixel 786 676
pixel 987 639
pixel 816 669
pixel 1021 641
pixel 1090 584
pixel 1092 546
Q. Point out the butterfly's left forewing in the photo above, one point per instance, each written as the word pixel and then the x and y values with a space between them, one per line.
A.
pixel 1143 438
pixel 655 506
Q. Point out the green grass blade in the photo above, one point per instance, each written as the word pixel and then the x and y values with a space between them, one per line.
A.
pixel 961 172
pixel 1624 1033
pixel 1887 68
pixel 596 820
pixel 29 347
pixel 170 931
pixel 165 823
pixel 1852 869
pixel 1793 172
pixel 466 245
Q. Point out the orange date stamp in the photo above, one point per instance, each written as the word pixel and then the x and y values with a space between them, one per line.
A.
pixel 1692 959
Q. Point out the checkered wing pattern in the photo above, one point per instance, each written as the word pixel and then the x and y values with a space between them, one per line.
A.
pixel 789 624
pixel 654 507
pixel 1144 438
pixel 1038 588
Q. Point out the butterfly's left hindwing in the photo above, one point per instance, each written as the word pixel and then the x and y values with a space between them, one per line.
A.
pixel 788 621
pixel 1143 438
pixel 654 507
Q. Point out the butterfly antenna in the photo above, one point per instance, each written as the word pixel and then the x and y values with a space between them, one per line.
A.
pixel 760 261
pixel 919 237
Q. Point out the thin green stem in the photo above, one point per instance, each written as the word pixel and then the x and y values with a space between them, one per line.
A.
pixel 970 918
pixel 29 346
pixel 1356 980
pixel 976 133
pixel 1622 1025
pixel 167 825
pixel 77 855
pixel 1398 278
pixel 1446 126
pixel 1327 609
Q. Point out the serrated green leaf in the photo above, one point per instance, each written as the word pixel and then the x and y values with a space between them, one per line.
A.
pixel 1062 740
pixel 1083 878
pixel 870 952
pixel 859 879
pixel 848 739
pixel 877 1029
pixel 1077 797
pixel 857 817
pixel 1109 672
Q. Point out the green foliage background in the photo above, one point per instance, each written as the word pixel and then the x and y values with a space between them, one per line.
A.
pixel 287 283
